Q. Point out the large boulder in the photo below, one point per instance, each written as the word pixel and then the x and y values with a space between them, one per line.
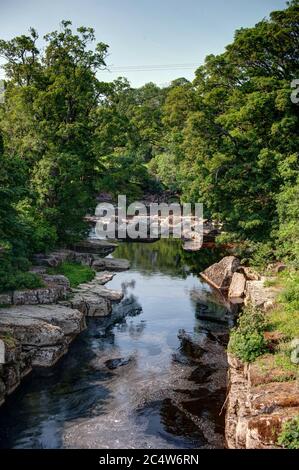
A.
pixel 35 318
pixel 237 287
pixel 219 275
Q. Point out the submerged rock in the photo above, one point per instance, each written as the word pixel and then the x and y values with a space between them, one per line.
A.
pixel 118 362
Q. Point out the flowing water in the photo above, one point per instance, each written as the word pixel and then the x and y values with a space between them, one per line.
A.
pixel 154 379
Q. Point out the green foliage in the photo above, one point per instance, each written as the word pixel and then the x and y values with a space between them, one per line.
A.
pixel 247 339
pixel 13 275
pixel 288 233
pixel 75 272
pixel 164 168
pixel 289 436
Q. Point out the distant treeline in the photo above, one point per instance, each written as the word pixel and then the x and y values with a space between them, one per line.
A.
pixel 228 139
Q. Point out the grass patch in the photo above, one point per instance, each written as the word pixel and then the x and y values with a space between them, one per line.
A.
pixel 75 272
pixel 285 317
pixel 289 436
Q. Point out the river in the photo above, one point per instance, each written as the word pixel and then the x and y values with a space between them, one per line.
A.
pixel 139 383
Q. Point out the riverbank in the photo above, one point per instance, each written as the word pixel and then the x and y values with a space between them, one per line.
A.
pixel 38 325
pixel 263 384
pixel 155 378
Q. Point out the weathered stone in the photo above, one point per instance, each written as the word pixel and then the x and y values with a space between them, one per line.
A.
pixel 91 304
pixel 219 275
pixel 277 267
pixel 54 259
pixel 267 397
pixel 57 280
pixel 44 295
pixel 237 287
pixel 85 258
pixel 103 277
pixel 38 270
pixel 260 296
pixel 95 246
pixel 41 325
pixel 48 355
pixel 263 430
pixel 256 407
pixel 267 372
pixel 100 291
pixel 6 298
pixel 111 264
pixel 249 273
pixel 25 297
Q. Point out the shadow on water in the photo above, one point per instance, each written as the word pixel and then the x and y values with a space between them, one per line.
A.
pixel 156 378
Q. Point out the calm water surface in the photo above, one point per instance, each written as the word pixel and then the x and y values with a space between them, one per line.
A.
pixel 142 382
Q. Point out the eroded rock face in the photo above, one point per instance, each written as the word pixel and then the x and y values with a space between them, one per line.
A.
pixel 219 275
pixel 56 288
pixel 249 273
pixel 43 331
pixel 93 299
pixel 6 298
pixel 258 406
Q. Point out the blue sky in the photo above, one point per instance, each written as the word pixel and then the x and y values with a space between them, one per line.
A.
pixel 143 32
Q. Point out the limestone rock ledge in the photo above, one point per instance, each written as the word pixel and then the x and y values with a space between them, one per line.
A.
pixel 34 335
pixel 257 405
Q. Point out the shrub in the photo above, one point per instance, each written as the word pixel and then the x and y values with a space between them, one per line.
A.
pixel 247 339
pixel 13 275
pixel 289 436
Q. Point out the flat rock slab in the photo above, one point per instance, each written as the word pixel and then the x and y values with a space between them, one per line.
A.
pixel 111 264
pixel 44 331
pixel 103 277
pixel 99 291
pixel 57 320
pixel 219 275
pixel 90 304
pixel 95 246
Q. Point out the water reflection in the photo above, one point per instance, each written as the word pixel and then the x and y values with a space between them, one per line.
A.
pixel 136 383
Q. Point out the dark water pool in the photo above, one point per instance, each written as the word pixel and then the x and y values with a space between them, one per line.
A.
pixel 143 382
